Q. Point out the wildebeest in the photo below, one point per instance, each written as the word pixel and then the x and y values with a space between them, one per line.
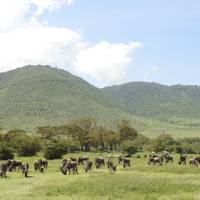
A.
pixel 193 162
pixel 158 160
pixel 182 159
pixel 120 159
pixel 88 165
pixel 197 159
pixel 3 170
pixel 167 158
pixel 82 159
pixel 68 165
pixel 111 165
pixel 40 165
pixel 155 159
pixel 25 167
pixel 151 160
pixel 126 162
pixel 14 164
pixel 99 162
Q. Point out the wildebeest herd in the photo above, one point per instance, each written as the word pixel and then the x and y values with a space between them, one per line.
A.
pixel 72 164
pixel 165 157
pixel 67 165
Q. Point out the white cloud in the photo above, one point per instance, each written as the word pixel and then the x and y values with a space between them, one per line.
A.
pixel 26 39
pixel 13 13
pixel 37 45
pixel 105 63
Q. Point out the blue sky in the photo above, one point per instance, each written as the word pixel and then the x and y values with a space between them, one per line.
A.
pixel 167 30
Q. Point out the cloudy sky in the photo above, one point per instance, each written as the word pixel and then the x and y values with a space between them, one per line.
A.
pixel 105 42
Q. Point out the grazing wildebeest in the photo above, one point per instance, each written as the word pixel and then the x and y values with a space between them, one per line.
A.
pixel 126 162
pixel 25 167
pixel 197 159
pixel 68 165
pixel 167 158
pixel 40 165
pixel 182 159
pixel 3 170
pixel 111 165
pixel 193 162
pixel 99 162
pixel 158 160
pixel 13 164
pixel 155 159
pixel 120 159
pixel 151 160
pixel 88 165
pixel 82 159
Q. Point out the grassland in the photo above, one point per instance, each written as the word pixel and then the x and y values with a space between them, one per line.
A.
pixel 140 182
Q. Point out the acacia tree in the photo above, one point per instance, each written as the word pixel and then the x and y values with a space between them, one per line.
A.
pixel 162 142
pixel 126 131
pixel 81 131
pixel 103 138
pixel 111 139
pixel 55 132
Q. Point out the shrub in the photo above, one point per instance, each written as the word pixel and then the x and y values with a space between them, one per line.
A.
pixel 28 147
pixel 54 150
pixel 24 144
pixel 161 143
pixel 73 148
pixel 6 152
pixel 129 147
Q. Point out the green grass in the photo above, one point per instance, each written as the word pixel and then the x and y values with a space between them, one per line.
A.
pixel 140 182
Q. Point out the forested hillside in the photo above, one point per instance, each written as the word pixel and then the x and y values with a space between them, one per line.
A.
pixel 40 95
pixel 152 100
pixel 34 96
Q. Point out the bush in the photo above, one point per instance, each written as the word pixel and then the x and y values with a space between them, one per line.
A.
pixel 28 147
pixel 129 147
pixel 73 148
pixel 161 143
pixel 54 150
pixel 23 144
pixel 6 152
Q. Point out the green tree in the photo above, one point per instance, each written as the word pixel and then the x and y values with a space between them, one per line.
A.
pixel 129 147
pixel 162 143
pixel 126 131
pixel 6 152
pixel 24 144
pixel 54 149
pixel 81 130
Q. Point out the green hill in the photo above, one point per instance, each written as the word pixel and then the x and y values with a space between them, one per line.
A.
pixel 34 96
pixel 167 103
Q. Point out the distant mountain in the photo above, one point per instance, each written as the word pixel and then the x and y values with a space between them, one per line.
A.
pixel 40 95
pixel 35 96
pixel 158 101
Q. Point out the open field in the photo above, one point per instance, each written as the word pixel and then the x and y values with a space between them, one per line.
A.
pixel 177 127
pixel 140 182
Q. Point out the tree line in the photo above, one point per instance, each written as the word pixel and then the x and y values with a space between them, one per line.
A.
pixel 86 135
